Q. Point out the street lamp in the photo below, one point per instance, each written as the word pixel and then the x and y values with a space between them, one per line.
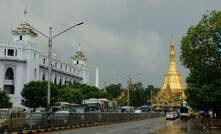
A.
pixel 50 37
pixel 128 83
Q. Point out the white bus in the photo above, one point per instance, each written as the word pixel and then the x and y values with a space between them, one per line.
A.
pixel 101 105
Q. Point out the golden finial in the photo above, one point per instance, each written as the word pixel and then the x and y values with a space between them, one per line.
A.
pixel 172 41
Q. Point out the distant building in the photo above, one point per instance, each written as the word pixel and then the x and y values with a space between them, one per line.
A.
pixel 21 63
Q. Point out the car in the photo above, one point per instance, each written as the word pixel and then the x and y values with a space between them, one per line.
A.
pixel 171 116
pixel 138 111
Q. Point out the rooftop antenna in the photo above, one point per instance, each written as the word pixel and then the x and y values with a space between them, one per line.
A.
pixel 25 12
pixel 79 47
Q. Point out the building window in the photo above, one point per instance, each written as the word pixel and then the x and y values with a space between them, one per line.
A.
pixel 70 69
pixel 15 52
pixel 60 82
pixel 43 77
pixel 9 89
pixel 65 68
pixel 55 64
pixel 9 75
pixel 34 55
pixel 61 66
pixel 55 80
pixel 66 82
pixel 5 52
pixel 20 37
pixel 44 61
pixel 35 73
pixel 77 62
pixel 10 52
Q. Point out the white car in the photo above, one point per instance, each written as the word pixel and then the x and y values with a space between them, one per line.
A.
pixel 171 116
pixel 138 111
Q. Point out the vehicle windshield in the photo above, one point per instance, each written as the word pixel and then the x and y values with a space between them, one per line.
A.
pixel 3 114
pixel 183 110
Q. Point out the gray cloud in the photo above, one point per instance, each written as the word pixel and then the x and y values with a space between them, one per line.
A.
pixel 118 35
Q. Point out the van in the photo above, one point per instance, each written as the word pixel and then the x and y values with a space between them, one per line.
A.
pixel 11 119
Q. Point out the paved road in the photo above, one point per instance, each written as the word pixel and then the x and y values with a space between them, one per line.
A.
pixel 149 126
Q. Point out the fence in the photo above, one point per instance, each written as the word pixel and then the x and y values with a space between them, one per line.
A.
pixel 37 121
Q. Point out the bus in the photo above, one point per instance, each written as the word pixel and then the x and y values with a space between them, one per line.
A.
pixel 101 105
pixel 7 115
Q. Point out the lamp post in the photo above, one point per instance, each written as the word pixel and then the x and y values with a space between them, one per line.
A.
pixel 128 83
pixel 50 37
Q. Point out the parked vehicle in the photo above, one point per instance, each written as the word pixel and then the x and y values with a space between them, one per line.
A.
pixel 146 108
pixel 138 111
pixel 11 118
pixel 171 116
pixel 129 109
pixel 101 105
pixel 184 113
pixel 34 120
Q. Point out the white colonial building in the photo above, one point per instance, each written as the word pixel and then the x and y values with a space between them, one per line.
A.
pixel 21 63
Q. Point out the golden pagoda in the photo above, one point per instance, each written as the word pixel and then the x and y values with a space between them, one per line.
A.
pixel 173 87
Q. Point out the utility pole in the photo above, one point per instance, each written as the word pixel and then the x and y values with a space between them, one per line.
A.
pixel 128 83
pixel 128 94
pixel 151 108
pixel 49 67
pixel 50 37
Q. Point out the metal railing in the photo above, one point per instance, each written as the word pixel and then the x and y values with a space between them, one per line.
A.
pixel 43 120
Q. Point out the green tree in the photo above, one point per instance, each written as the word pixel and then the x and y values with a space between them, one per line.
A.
pixel 4 100
pixel 201 54
pixel 87 91
pixel 137 95
pixel 70 95
pixel 35 94
pixel 114 89
pixel 121 101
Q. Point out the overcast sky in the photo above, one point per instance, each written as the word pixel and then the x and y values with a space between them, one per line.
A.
pixel 118 35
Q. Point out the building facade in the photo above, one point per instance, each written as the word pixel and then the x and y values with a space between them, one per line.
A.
pixel 21 63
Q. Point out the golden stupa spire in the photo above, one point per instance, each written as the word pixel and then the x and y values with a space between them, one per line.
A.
pixel 172 67
pixel 172 79
pixel 105 86
pixel 130 82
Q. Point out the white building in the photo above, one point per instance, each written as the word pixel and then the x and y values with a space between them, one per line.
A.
pixel 21 63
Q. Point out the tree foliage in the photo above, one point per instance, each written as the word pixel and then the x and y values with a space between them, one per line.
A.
pixel 4 100
pixel 201 54
pixel 35 94
pixel 141 96
pixel 87 91
pixel 114 90
pixel 70 95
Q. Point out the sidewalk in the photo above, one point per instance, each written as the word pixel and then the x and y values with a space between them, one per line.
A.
pixel 212 130
pixel 215 131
